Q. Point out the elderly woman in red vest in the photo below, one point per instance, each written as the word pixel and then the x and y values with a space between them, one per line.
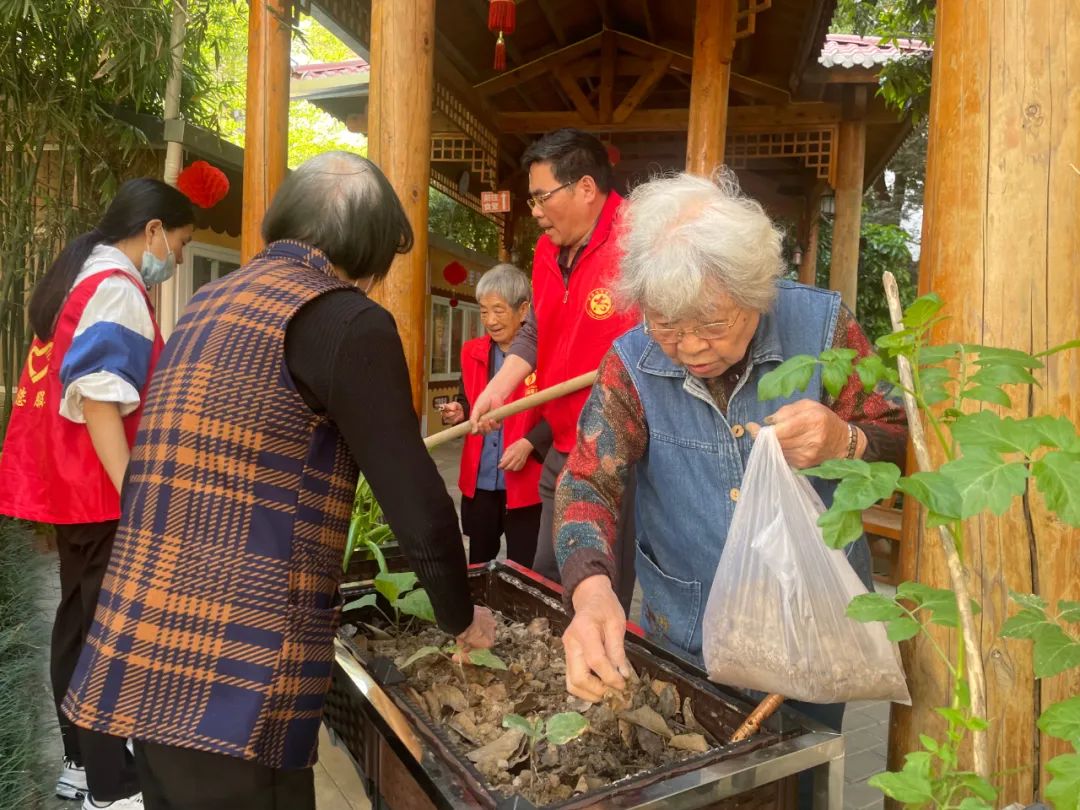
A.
pixel 213 642
pixel 79 399
pixel 500 472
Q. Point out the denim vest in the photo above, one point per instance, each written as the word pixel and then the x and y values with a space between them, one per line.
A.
pixel 688 480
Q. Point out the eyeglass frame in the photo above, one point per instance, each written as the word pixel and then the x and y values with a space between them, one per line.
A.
pixel 540 200
pixel 681 333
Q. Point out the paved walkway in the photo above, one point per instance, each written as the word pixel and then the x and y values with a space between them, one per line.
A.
pixel 338 787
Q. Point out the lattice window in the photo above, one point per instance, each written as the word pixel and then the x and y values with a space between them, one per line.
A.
pixel 484 139
pixel 746 17
pixel 814 147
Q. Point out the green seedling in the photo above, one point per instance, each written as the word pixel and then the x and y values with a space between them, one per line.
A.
pixel 558 730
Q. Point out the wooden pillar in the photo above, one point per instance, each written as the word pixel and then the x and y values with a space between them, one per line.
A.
pixel 851 155
pixel 714 44
pixel 399 142
pixel 999 245
pixel 266 130
pixel 811 229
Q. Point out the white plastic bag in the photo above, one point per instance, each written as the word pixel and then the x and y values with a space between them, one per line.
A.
pixel 775 620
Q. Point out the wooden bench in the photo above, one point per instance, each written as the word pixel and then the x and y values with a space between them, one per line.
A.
pixel 884 520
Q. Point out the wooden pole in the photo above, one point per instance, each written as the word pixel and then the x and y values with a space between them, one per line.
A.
pixel 999 245
pixel 851 155
pixel 266 131
pixel 714 45
pixel 174 152
pixel 399 142
pixel 812 220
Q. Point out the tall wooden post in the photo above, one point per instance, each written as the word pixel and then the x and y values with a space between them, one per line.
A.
pixel 851 155
pixel 714 45
pixel 266 130
pixel 399 142
pixel 1000 245
pixel 174 152
pixel 811 226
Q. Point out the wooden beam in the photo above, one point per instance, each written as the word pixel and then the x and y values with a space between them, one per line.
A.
pixel 608 70
pixel 813 36
pixel 819 74
pixel 552 20
pixel 266 131
pixel 642 87
pixel 640 47
pixel 646 12
pixel 573 91
pixel 714 46
pixel 625 65
pixel 399 142
pixel 851 159
pixel 538 67
pixel 755 88
pixel 760 118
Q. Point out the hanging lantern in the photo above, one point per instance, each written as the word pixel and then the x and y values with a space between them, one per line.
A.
pixel 453 303
pixel 502 16
pixel 455 273
pixel 613 154
pixel 500 52
pixel 203 184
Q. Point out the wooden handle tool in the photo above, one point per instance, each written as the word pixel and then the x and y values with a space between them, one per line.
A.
pixel 758 716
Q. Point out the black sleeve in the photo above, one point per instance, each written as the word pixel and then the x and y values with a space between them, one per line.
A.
pixel 540 438
pixel 345 355
pixel 460 397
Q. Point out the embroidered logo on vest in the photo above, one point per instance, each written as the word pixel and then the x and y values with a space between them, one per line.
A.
pixel 43 353
pixel 599 304
pixel 530 384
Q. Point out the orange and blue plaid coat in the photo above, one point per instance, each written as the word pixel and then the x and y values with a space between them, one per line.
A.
pixel 214 627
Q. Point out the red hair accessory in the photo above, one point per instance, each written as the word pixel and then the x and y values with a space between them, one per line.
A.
pixel 203 184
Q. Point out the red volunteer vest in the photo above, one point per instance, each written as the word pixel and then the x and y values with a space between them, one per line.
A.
pixel 576 324
pixel 522 487
pixel 49 469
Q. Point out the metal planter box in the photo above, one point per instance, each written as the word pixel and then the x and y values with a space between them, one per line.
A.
pixel 757 773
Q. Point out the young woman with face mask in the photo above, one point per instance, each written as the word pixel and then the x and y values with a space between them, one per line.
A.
pixel 74 418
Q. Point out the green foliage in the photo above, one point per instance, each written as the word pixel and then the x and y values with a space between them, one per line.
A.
pixel 479 658
pixel 462 225
pixel 367 527
pixel 23 642
pixel 558 730
pixel 989 460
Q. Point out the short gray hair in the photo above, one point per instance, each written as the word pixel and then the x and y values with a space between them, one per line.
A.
pixel 507 282
pixel 343 205
pixel 685 239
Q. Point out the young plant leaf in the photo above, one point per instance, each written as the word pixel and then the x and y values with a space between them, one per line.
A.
pixel 350 543
pixel 1063 790
pixel 987 393
pixel 905 787
pixel 872 370
pixel 564 727
pixel 922 309
pixel 423 652
pixel 790 375
pixel 836 369
pixel 1057 474
pixel 367 600
pixel 985 481
pixel 1056 432
pixel 987 429
pixel 902 629
pixel 1068 611
pixel 1072 344
pixel 1003 374
pixel 1055 652
pixel 894 343
pixel 417 603
pixel 1062 720
pixel 376 552
pixel 486 658
pixel 940 603
pixel 995 355
pixel 932 355
pixel 530 730
pixel 840 528
pixel 391 586
pixel 986 793
pixel 863 491
pixel 934 491
pixel 873 607
pixel 933 382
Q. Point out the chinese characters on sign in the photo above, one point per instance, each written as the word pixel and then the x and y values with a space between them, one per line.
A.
pixel 495 202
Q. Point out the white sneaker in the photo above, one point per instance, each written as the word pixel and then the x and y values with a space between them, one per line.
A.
pixel 71 783
pixel 130 803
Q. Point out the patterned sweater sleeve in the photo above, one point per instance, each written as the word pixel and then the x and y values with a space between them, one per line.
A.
pixel 881 418
pixel 612 437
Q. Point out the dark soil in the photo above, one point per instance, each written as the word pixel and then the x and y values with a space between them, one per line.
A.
pixel 648 726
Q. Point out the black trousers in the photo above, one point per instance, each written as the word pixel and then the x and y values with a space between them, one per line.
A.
pixel 625 539
pixel 84 555
pixel 185 779
pixel 485 519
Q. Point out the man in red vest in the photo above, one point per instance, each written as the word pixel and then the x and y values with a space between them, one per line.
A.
pixel 574 319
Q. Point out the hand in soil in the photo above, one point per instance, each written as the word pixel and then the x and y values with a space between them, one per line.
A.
pixel 595 657
pixel 480 634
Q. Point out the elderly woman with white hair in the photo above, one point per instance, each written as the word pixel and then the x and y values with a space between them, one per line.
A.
pixel 677 400
pixel 500 471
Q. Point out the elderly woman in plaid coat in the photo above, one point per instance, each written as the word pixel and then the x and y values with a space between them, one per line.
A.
pixel 212 644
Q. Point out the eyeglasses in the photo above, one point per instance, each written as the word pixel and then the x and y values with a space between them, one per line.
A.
pixel 668 336
pixel 538 200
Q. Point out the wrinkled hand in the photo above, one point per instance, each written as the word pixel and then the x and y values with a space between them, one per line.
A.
pixel 595 656
pixel 516 455
pixel 809 433
pixel 481 633
pixel 488 401
pixel 452 413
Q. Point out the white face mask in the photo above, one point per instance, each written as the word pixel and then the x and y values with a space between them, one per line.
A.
pixel 155 270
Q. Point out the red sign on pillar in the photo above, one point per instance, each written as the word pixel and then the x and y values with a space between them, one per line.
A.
pixel 495 202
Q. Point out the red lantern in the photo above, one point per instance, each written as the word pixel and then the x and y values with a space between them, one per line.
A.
pixel 203 184
pixel 613 154
pixel 453 302
pixel 500 53
pixel 455 273
pixel 502 16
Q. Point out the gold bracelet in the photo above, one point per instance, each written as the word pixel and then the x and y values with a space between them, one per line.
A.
pixel 853 440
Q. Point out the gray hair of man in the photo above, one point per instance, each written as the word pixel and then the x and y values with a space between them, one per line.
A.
pixel 343 205
pixel 506 281
pixel 686 239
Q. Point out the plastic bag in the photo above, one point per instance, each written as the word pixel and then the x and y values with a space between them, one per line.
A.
pixel 775 620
